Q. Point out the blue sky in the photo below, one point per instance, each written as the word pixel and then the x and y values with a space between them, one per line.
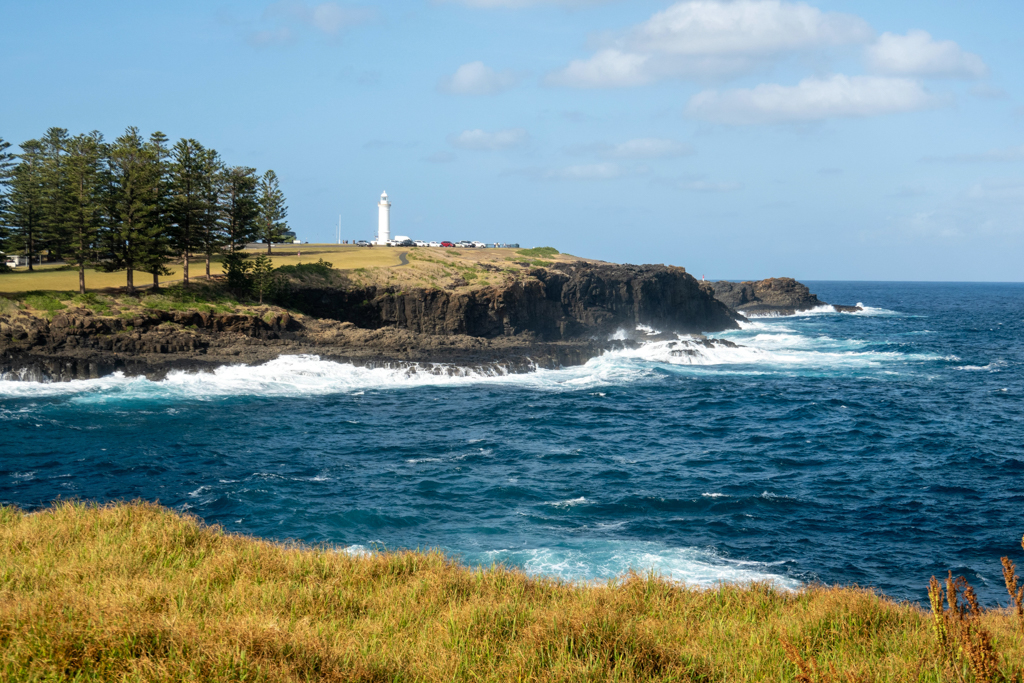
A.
pixel 740 139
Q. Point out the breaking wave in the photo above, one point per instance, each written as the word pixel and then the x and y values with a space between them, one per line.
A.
pixel 826 309
pixel 605 560
pixel 759 346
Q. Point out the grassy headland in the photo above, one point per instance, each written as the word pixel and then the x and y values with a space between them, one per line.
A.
pixel 50 289
pixel 136 592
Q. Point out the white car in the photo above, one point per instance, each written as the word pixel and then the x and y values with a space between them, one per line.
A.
pixel 419 243
pixel 434 244
pixel 479 245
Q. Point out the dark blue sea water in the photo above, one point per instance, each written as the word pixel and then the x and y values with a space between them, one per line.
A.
pixel 875 448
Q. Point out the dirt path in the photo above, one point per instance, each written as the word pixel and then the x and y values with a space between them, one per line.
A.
pixel 404 261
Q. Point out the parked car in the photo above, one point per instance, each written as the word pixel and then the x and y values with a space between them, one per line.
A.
pixel 447 244
pixel 419 243
pixel 363 243
pixel 405 243
pixel 479 245
pixel 434 244
pixel 464 244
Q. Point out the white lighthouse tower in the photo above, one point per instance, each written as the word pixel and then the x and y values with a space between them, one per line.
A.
pixel 383 220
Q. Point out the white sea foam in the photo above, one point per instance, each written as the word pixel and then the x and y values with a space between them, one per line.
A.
pixel 994 366
pixel 357 550
pixel 865 311
pixel 872 310
pixel 767 352
pixel 573 502
pixel 825 309
pixel 764 346
pixel 604 560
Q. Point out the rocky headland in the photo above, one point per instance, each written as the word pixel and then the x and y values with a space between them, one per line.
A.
pixel 557 316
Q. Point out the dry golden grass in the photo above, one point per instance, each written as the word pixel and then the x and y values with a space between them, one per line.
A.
pixel 427 267
pixel 53 278
pixel 457 269
pixel 135 592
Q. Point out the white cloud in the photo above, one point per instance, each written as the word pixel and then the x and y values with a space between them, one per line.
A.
pixel 752 27
pixel 604 171
pixel 285 16
pixel 482 140
pixel 812 99
pixel 650 148
pixel 330 17
pixel 606 69
pixel 476 78
pixel 918 54
pixel 706 38
pixel 989 92
pixel 1005 154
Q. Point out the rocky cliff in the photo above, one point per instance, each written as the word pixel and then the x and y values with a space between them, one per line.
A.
pixel 774 296
pixel 555 318
pixel 578 300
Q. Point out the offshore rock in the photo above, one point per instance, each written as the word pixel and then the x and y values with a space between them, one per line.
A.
pixel 774 296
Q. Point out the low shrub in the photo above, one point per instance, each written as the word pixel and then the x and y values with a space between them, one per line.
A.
pixel 92 301
pixel 46 301
pixel 321 268
pixel 539 251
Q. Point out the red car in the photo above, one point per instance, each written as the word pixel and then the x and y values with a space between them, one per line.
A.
pixel 447 244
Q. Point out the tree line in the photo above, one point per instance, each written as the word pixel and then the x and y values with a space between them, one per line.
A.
pixel 134 204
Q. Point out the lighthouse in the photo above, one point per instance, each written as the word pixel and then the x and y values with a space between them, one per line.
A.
pixel 383 220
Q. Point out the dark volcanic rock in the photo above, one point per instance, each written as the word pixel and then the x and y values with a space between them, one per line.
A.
pixel 578 300
pixel 774 296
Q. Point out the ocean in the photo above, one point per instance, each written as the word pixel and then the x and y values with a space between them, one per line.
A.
pixel 875 448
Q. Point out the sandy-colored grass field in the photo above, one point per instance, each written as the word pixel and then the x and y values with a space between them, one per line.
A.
pixel 135 592
pixel 53 277
pixel 367 265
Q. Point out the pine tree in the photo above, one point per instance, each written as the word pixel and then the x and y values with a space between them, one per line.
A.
pixel 26 200
pixel 262 276
pixel 54 232
pixel 192 171
pixel 135 230
pixel 160 249
pixel 273 210
pixel 212 234
pixel 240 207
pixel 82 217
pixel 6 174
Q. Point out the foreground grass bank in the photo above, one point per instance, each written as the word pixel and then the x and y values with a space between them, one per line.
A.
pixel 137 592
